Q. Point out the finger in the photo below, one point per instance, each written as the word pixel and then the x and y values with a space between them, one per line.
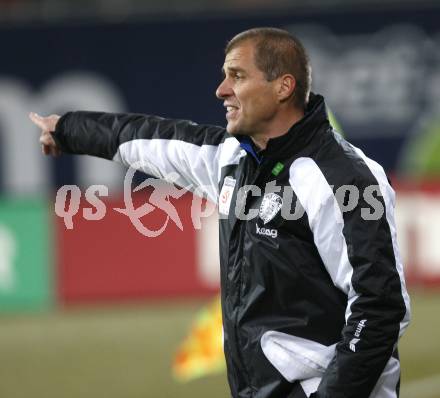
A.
pixel 38 120
pixel 45 139
pixel 45 149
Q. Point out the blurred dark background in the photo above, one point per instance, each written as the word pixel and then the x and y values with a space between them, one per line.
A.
pixel 376 62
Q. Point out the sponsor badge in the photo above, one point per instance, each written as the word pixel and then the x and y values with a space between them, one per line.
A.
pixel 270 206
pixel 224 201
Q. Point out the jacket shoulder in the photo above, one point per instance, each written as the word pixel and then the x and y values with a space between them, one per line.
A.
pixel 343 164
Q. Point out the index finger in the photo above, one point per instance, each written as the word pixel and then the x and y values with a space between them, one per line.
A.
pixel 38 120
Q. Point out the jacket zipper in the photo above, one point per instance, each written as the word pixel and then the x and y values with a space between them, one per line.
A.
pixel 257 171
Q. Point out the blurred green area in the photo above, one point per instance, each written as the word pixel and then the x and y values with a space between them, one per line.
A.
pixel 126 351
pixel 420 157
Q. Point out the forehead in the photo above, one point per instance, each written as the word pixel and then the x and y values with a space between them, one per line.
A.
pixel 242 55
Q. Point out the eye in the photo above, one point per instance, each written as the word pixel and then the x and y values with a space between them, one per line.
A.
pixel 237 76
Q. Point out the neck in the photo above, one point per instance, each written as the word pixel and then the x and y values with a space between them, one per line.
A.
pixel 280 126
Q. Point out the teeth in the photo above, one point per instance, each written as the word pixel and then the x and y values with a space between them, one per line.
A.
pixel 230 108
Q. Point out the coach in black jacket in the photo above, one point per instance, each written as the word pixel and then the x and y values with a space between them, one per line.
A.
pixel 313 293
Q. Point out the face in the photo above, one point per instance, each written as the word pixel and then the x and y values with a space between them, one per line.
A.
pixel 250 100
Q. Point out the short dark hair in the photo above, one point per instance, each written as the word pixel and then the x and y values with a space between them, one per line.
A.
pixel 278 52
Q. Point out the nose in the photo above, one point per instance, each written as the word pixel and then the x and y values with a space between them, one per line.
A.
pixel 224 90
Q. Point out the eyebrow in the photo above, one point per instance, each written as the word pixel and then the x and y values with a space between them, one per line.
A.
pixel 231 69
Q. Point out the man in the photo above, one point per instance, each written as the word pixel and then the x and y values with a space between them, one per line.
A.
pixel 313 293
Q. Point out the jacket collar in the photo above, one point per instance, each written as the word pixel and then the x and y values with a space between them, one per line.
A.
pixel 298 136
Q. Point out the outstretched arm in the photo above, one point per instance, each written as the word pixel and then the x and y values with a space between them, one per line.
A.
pixel 151 144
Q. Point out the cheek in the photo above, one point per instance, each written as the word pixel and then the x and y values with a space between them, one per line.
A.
pixel 262 103
pixel 256 100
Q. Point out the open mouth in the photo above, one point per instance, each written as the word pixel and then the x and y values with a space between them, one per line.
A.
pixel 231 112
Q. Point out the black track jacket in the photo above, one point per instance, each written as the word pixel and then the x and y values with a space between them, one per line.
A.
pixel 312 286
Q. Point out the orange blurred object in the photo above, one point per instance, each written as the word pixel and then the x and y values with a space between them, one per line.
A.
pixel 201 353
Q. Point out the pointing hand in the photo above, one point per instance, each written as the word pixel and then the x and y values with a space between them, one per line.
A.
pixel 47 125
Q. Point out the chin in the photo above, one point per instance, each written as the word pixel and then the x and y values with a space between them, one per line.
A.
pixel 233 129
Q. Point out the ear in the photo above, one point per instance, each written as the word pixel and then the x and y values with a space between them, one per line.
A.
pixel 286 87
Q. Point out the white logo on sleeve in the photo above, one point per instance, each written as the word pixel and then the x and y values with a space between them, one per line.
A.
pixel 224 201
pixel 357 334
pixel 353 343
pixel 270 206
